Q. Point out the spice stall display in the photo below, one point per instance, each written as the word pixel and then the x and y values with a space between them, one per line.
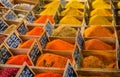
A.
pixel 59 38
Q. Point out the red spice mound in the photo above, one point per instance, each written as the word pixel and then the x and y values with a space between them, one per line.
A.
pixel 18 60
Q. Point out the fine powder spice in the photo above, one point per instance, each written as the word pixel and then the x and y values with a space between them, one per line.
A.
pixel 8 72
pixel 92 62
pixel 71 20
pixel 99 20
pixel 36 31
pixel 48 74
pixel 18 60
pixel 99 3
pixel 64 31
pixel 27 44
pixel 51 60
pixel 74 4
pixel 98 31
pixel 59 45
pixel 95 44
pixel 43 19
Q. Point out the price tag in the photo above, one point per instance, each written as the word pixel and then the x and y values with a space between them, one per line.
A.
pixel 22 29
pixel 30 17
pixel 77 55
pixel 34 53
pixel 7 3
pixel 49 28
pixel 13 40
pixel 4 54
pixel 80 40
pixel 44 40
pixel 63 2
pixel 69 71
pixel 3 25
pixel 25 71
pixel 11 16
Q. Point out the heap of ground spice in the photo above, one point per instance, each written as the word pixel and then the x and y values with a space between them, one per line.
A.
pixel 36 31
pixel 27 44
pixel 48 74
pixel 8 72
pixel 95 44
pixel 18 60
pixel 98 31
pixel 42 19
pixel 59 45
pixel 51 60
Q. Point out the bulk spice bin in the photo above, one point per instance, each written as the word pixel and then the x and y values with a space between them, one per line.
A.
pixel 87 58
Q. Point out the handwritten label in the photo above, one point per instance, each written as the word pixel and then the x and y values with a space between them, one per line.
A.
pixel 13 41
pixel 30 17
pixel 63 2
pixel 77 57
pixel 3 25
pixel 34 53
pixel 69 71
pixel 26 72
pixel 49 28
pixel 7 3
pixel 80 40
pixel 44 40
pixel 22 29
pixel 11 16
pixel 4 54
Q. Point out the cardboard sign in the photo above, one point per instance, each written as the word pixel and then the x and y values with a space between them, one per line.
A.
pixel 25 71
pixel 34 53
pixel 11 16
pixel 44 40
pixel 13 40
pixel 69 71
pixel 22 29
pixel 4 54
pixel 77 56
pixel 30 17
pixel 63 2
pixel 3 25
pixel 49 28
pixel 7 3
pixel 80 39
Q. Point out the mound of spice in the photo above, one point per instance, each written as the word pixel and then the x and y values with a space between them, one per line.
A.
pixel 27 44
pixel 98 31
pixel 64 31
pixel 36 31
pixel 95 44
pixel 42 19
pixel 18 60
pixel 8 72
pixel 59 45
pixel 51 60
pixel 92 62
pixel 48 74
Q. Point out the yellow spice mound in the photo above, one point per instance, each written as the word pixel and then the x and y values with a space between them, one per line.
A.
pixel 48 11
pixel 70 20
pixel 74 4
pixel 100 4
pixel 72 12
pixel 118 4
pixel 98 31
pixel 99 20
pixel 52 4
pixel 101 12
